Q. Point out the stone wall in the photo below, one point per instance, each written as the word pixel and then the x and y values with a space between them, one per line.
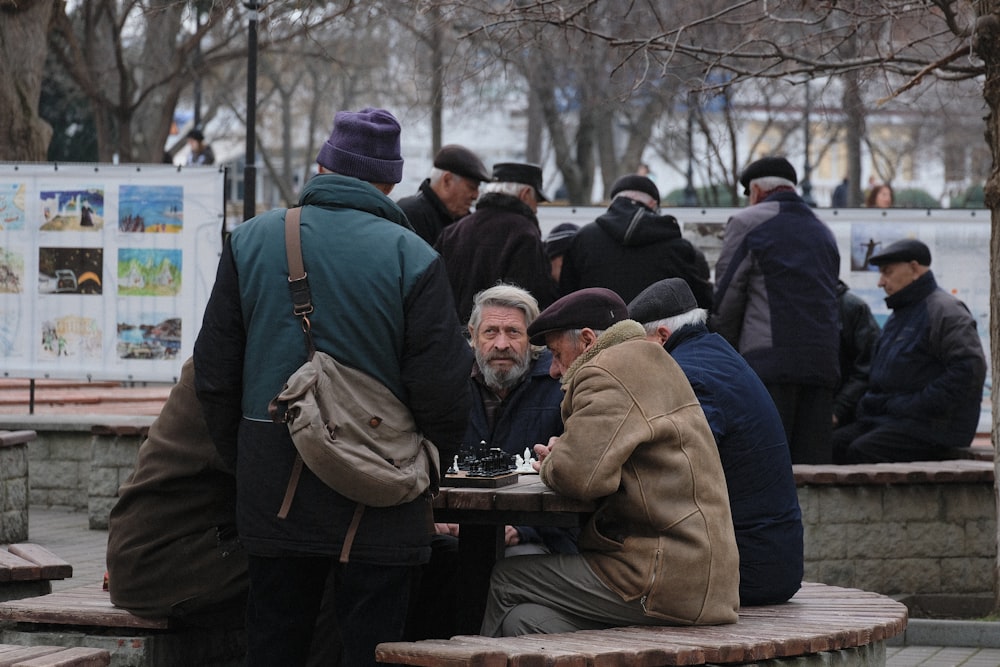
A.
pixel 14 485
pixel 901 528
pixel 80 465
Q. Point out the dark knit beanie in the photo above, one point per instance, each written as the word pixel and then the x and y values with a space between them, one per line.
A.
pixel 558 240
pixel 636 183
pixel 365 145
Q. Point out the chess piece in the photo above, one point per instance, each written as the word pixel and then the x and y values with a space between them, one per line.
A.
pixel 454 465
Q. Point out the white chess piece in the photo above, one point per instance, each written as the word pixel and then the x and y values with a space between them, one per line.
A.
pixel 454 465
pixel 518 461
pixel 527 454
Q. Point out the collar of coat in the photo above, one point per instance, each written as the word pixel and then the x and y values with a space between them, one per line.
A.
pixel 504 202
pixel 615 334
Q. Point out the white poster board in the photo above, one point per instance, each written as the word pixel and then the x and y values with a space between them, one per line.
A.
pixel 105 270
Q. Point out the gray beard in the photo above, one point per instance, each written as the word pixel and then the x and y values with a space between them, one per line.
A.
pixel 503 380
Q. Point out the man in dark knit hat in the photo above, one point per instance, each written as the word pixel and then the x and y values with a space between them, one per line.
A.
pixel 557 243
pixel 380 294
pixel 776 303
pixel 928 368
pixel 448 194
pixel 501 241
pixel 631 246
pixel 660 548
pixel 748 433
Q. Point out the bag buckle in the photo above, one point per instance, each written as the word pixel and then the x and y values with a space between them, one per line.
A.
pixel 301 299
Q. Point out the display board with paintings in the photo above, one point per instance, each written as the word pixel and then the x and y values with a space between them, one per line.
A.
pixel 105 270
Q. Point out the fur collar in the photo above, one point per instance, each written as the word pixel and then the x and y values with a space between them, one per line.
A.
pixel 618 332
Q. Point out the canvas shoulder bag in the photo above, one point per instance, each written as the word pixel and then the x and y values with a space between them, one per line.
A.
pixel 349 429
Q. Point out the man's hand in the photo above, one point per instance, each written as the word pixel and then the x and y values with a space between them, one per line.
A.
pixel 511 536
pixel 541 451
pixel 446 529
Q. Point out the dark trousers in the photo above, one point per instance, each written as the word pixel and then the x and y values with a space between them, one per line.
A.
pixel 807 414
pixel 434 603
pixel 864 442
pixel 284 603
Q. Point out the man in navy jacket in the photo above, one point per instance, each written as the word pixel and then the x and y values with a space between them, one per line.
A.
pixel 776 303
pixel 748 433
pixel 927 373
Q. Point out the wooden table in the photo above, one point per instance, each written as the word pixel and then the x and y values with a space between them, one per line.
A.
pixel 482 514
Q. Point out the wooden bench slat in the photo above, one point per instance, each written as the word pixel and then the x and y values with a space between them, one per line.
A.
pixel 14 654
pixel 52 566
pixel 446 653
pixel 85 606
pixel 15 568
pixel 819 618
pixel 77 656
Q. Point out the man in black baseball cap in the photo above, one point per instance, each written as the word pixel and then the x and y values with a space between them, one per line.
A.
pixel 927 371
pixel 448 194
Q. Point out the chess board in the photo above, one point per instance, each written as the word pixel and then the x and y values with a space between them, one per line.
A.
pixel 463 478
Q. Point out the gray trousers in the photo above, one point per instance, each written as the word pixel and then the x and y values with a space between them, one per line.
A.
pixel 554 593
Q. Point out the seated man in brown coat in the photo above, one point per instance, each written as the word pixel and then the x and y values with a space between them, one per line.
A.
pixel 660 549
pixel 173 551
pixel 172 544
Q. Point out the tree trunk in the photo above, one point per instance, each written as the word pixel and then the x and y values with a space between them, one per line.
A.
pixel 987 47
pixel 24 136
pixel 855 125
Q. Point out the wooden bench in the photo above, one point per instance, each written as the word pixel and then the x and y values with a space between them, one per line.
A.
pixel 818 620
pixel 28 570
pixel 52 656
pixel 85 616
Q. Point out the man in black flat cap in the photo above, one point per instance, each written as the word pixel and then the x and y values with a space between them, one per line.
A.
pixel 660 548
pixel 927 372
pixel 501 241
pixel 631 245
pixel 447 194
pixel 776 303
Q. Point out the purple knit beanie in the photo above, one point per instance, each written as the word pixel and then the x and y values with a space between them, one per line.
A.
pixel 365 145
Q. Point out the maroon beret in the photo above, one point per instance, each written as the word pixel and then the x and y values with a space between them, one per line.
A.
pixel 590 308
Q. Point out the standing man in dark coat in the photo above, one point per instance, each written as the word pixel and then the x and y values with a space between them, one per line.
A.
pixel 748 433
pixel 501 241
pixel 927 373
pixel 776 303
pixel 382 306
pixel 631 246
pixel 448 194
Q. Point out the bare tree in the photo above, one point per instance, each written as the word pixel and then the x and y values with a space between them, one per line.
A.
pixel 134 59
pixel 24 136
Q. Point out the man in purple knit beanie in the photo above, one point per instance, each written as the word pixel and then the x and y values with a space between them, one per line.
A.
pixel 383 306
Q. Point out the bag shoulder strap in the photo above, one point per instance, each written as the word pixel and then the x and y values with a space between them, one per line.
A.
pixel 298 287
pixel 298 279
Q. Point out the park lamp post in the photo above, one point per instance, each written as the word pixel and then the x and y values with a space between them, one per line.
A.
pixel 250 166
pixel 690 195
pixel 807 168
